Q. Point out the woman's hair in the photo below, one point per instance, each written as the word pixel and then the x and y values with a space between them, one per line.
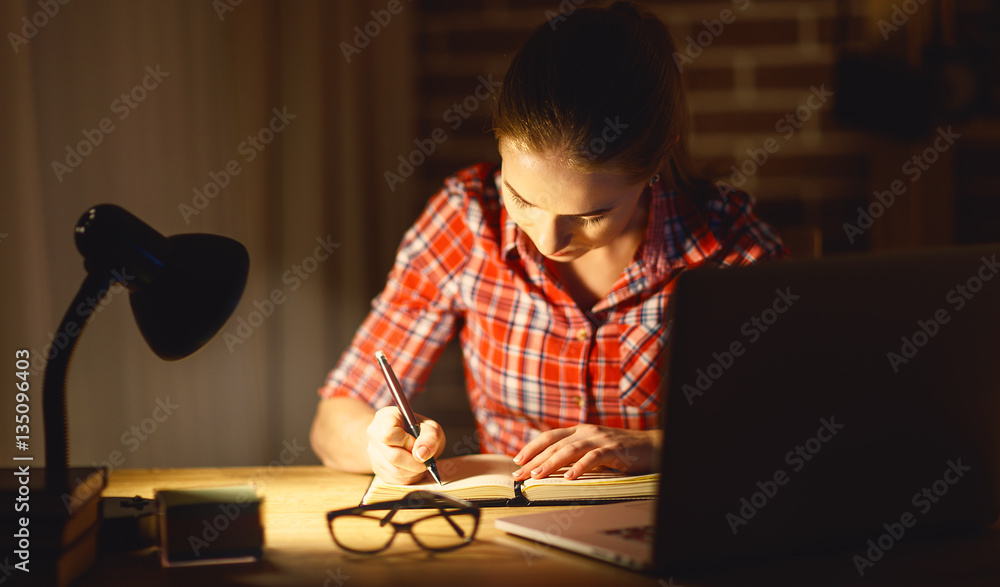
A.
pixel 600 87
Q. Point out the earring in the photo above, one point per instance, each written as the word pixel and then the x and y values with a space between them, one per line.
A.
pixel 656 179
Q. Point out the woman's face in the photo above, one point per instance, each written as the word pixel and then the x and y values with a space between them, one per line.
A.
pixel 567 213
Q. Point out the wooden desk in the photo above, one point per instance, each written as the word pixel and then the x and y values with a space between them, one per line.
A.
pixel 298 549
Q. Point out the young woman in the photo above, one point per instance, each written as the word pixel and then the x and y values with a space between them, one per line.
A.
pixel 554 268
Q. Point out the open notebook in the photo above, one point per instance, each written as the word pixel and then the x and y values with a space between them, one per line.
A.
pixel 486 480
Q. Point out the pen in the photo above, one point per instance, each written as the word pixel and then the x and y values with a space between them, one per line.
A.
pixel 412 427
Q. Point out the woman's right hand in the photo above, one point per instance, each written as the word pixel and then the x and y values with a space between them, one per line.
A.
pixel 397 457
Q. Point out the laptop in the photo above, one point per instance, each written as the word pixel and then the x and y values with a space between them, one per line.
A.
pixel 844 403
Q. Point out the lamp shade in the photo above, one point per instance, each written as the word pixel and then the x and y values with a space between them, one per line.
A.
pixel 182 288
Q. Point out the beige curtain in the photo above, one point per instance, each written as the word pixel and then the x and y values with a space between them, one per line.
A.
pixel 143 103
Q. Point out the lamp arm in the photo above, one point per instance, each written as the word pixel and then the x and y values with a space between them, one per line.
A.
pixel 93 288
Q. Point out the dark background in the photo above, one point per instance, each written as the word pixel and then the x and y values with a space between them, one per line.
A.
pixel 900 73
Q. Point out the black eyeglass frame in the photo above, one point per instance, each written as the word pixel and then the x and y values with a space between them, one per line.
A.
pixel 419 499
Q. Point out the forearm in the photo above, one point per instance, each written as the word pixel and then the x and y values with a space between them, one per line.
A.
pixel 339 434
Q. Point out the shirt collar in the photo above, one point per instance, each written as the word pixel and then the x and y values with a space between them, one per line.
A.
pixel 677 234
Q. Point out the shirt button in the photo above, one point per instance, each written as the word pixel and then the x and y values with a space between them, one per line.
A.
pixel 582 335
pixel 579 401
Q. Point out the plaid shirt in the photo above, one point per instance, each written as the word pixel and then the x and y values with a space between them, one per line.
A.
pixel 533 359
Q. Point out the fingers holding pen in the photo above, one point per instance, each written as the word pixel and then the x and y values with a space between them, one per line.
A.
pixel 399 427
pixel 396 456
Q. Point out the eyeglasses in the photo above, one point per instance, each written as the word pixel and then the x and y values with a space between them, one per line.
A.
pixel 453 526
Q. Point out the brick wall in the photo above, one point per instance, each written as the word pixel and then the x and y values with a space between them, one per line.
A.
pixel 753 84
pixel 744 77
pixel 750 75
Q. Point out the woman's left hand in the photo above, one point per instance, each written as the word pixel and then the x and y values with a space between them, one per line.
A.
pixel 587 447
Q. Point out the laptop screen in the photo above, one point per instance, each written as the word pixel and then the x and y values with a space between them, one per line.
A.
pixel 848 402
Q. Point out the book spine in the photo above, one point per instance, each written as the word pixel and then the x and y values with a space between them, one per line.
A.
pixel 519 499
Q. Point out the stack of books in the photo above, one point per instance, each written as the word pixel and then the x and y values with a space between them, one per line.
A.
pixel 49 537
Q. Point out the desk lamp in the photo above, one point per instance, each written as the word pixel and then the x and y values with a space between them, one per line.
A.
pixel 182 290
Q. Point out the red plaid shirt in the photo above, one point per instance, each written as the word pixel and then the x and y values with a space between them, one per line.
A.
pixel 533 359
